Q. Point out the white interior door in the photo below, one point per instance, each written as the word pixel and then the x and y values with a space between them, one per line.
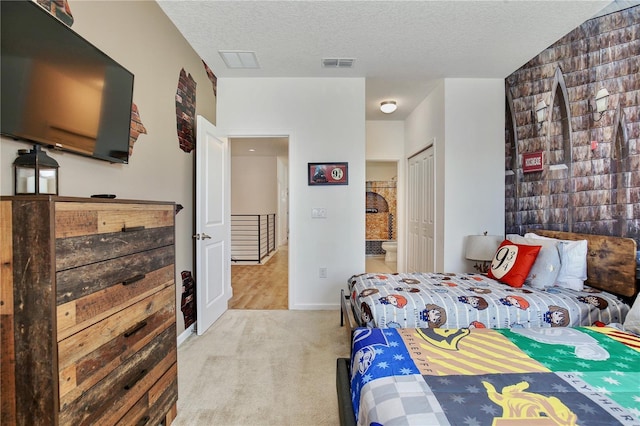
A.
pixel 421 212
pixel 213 231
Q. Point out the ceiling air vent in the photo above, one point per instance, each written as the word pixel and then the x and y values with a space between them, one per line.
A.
pixel 338 62
pixel 239 58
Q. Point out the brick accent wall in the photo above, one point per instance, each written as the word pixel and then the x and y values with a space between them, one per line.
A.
pixel 591 177
pixel 137 128
pixel 58 8
pixel 186 111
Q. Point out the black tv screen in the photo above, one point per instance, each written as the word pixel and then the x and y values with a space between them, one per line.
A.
pixel 58 89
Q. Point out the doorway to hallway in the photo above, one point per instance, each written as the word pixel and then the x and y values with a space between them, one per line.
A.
pixel 262 286
pixel 260 187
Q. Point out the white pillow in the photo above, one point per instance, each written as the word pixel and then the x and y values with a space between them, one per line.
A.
pixel 544 272
pixel 632 321
pixel 573 260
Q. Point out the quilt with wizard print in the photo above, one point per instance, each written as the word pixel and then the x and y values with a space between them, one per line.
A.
pixel 457 300
pixel 526 376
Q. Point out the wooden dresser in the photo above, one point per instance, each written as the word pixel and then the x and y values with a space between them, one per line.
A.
pixel 87 311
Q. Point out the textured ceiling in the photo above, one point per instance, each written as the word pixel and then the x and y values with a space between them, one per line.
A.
pixel 401 47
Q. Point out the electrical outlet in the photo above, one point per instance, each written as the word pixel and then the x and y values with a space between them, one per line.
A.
pixel 322 272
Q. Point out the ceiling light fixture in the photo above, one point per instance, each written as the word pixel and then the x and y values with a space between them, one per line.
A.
pixel 388 107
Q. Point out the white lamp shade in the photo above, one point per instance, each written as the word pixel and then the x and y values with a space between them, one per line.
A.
pixel 482 247
pixel 388 107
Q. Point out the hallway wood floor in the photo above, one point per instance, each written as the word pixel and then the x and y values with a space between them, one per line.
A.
pixel 262 286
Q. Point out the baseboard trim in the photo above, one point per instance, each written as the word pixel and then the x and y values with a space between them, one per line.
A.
pixel 185 334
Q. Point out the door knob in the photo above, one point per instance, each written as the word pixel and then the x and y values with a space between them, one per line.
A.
pixel 202 236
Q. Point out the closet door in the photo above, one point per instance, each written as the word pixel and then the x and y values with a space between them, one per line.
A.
pixel 421 207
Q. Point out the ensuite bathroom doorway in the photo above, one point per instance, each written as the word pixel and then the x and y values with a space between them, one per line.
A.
pixel 381 216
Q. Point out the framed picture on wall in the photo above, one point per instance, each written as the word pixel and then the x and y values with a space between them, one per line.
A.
pixel 328 174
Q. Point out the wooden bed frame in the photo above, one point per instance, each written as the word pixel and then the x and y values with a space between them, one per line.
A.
pixel 611 266
pixel 611 261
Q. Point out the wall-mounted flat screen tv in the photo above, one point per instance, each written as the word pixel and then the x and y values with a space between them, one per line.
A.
pixel 58 89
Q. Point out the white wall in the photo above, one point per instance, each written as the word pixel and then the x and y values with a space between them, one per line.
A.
pixel 385 142
pixel 324 120
pixel 465 120
pixel 254 185
pixel 381 170
pixel 474 164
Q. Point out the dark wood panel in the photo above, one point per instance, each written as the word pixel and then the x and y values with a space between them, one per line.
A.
pixel 79 282
pixel 34 313
pixel 7 371
pixel 77 251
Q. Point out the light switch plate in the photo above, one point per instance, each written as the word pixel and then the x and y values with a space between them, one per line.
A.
pixel 319 213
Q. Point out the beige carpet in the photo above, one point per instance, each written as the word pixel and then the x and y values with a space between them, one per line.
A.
pixel 256 367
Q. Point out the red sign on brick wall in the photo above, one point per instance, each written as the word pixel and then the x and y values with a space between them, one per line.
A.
pixel 532 162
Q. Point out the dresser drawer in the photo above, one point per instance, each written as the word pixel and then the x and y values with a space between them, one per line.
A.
pixel 87 357
pixel 112 397
pixel 150 409
pixel 77 251
pixel 74 219
pixel 80 313
pixel 73 284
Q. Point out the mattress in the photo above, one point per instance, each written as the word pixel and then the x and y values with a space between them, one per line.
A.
pixel 460 300
pixel 535 376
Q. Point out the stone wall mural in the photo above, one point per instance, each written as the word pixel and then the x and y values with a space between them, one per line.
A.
pixel 186 111
pixel 590 177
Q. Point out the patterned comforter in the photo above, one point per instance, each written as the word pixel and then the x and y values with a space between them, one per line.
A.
pixel 459 300
pixel 535 376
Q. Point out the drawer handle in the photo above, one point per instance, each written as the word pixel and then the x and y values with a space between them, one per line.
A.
pixel 132 228
pixel 133 279
pixel 135 380
pixel 143 421
pixel 133 330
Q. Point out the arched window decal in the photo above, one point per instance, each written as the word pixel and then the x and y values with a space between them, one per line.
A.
pixel 559 148
pixel 513 221
pixel 620 169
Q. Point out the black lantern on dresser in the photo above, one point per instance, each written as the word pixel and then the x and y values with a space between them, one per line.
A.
pixel 35 172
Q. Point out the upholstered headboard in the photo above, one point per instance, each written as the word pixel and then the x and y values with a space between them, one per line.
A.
pixel 611 261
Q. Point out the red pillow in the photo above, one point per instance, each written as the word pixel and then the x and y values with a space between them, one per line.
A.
pixel 512 262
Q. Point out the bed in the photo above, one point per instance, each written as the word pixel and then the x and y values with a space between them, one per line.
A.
pixel 475 376
pixel 459 300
